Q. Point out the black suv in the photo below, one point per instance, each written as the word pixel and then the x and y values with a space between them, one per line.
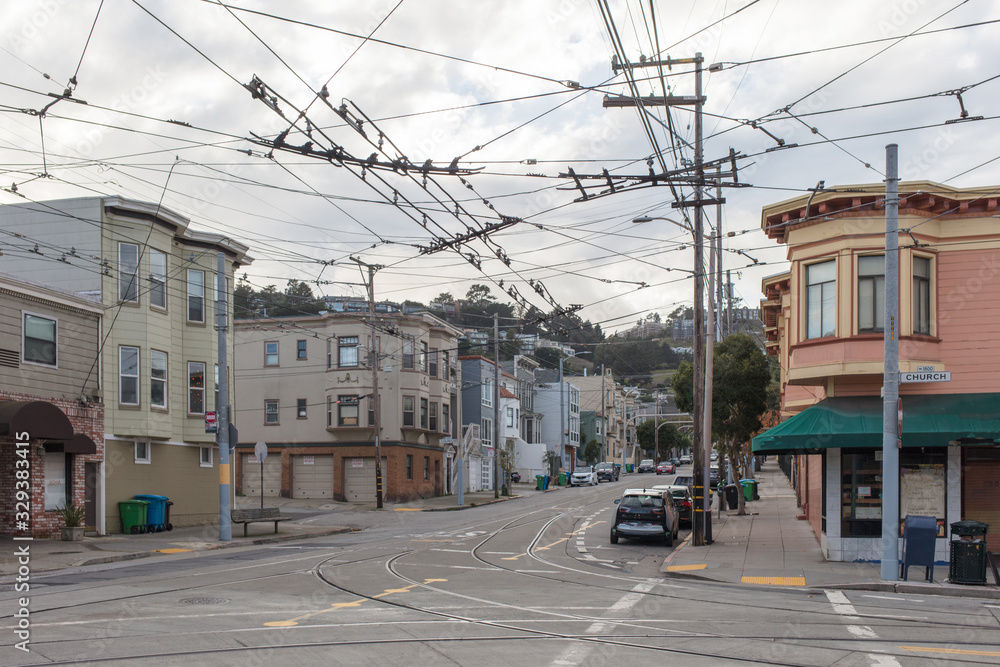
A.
pixel 643 514
pixel 607 472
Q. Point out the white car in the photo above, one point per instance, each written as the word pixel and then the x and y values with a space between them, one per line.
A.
pixel 583 475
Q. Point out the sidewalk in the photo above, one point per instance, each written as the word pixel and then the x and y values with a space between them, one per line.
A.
pixel 54 554
pixel 770 546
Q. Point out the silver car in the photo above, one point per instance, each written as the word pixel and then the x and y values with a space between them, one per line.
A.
pixel 583 475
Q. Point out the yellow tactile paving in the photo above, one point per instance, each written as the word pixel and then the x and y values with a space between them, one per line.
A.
pixel 171 551
pixel 684 568
pixel 949 650
pixel 776 581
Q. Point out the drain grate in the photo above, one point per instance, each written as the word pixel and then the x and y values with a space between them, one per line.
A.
pixel 204 600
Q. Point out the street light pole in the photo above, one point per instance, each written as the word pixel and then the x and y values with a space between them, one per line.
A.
pixel 562 406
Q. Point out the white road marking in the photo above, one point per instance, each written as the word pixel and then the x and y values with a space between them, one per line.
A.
pixel 843 606
pixel 454 551
pixel 889 597
pixel 576 654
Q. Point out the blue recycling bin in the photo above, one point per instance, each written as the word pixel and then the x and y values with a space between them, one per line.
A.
pixel 156 513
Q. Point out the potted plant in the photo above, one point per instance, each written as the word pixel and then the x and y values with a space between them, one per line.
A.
pixel 73 517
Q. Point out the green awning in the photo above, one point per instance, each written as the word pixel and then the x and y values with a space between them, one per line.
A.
pixel 856 421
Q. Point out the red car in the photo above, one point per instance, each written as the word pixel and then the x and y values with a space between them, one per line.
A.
pixel 665 468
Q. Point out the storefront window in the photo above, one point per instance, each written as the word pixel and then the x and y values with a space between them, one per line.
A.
pixel 922 485
pixel 861 493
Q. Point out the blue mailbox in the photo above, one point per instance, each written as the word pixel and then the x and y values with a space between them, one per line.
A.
pixel 919 538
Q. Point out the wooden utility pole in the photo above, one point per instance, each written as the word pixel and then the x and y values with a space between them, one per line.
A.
pixel 496 405
pixel 373 361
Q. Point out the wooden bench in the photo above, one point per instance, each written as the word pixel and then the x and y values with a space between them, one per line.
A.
pixel 257 515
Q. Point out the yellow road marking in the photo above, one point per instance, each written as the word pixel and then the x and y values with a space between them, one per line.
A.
pixel 408 509
pixel 341 605
pixel 949 650
pixel 432 541
pixel 514 557
pixel 171 551
pixel 564 539
pixel 683 568
pixel 580 530
pixel 776 581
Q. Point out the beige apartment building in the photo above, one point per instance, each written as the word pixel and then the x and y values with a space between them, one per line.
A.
pixel 306 388
pixel 156 278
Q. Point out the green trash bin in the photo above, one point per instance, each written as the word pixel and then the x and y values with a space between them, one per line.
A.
pixel 562 479
pixel 747 485
pixel 540 482
pixel 133 516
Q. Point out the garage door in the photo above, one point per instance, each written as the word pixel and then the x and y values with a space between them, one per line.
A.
pixel 359 479
pixel 312 476
pixel 272 476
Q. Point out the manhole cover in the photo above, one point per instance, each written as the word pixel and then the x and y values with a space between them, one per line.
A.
pixel 204 600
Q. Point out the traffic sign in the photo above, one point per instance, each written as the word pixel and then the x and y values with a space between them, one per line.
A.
pixel 211 423
pixel 260 451
pixel 933 376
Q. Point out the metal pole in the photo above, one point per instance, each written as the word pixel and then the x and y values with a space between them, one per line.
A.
pixel 891 408
pixel 604 422
pixel 222 419
pixel 262 484
pixel 562 408
pixel 496 405
pixel 377 404
pixel 718 255
pixel 709 365
pixel 701 495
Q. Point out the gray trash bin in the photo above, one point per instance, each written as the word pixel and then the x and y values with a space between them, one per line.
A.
pixel 968 552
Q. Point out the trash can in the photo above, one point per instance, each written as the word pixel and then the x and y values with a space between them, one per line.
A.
pixel 545 484
pixel 747 485
pixel 919 538
pixel 133 514
pixel 166 516
pixel 968 552
pixel 562 479
pixel 540 482
pixel 732 496
pixel 156 521
pixel 629 467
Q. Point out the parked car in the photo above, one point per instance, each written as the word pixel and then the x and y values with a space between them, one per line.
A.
pixel 683 501
pixel 583 475
pixel 685 460
pixel 645 514
pixel 664 468
pixel 607 472
pixel 647 465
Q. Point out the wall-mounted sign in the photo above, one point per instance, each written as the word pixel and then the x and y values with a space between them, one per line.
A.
pixel 925 376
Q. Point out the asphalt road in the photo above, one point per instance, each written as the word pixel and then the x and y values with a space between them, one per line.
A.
pixel 533 581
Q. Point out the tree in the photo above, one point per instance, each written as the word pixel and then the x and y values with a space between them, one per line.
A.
pixel 444 297
pixel 740 379
pixel 592 452
pixel 479 295
pixel 670 438
pixel 548 357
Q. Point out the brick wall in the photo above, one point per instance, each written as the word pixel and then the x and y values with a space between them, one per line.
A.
pixel 87 419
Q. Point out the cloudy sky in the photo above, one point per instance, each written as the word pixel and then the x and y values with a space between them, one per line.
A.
pixel 514 90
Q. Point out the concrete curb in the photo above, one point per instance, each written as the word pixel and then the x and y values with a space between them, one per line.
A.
pixel 456 508
pixel 117 558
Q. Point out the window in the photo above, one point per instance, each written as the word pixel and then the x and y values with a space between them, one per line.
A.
pixel 196 295
pixel 158 379
pixel 408 411
pixel 128 375
pixel 427 467
pixel 423 357
pixel 142 453
pixel 347 351
pixel 347 411
pixel 300 408
pixel 432 364
pixel 922 295
pixel 423 413
pixel 300 350
pixel 487 392
pixel 510 417
pixel 216 403
pixel 128 272
pixel 329 411
pixel 39 340
pixel 821 300
pixel 409 466
pixel 446 418
pixel 158 278
pixel 871 293
pixel 486 433
pixel 271 353
pixel 196 388
pixel 371 411
pixel 861 492
pixel 270 411
pixel 55 480
pixel 329 353
pixel 433 423
pixel 408 353
pixel 206 457
pixel 445 362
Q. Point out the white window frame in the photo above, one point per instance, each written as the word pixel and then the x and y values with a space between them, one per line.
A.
pixel 203 460
pixel 423 357
pixel 153 379
pixel 192 389
pixel 301 349
pixel 24 336
pixel 145 455
pixel 487 392
pixel 128 278
pixel 268 354
pixel 195 290
pixel 824 285
pixel 135 377
pixel 301 408
pixel 348 345
pixel 486 432
pixel 268 402
pixel 157 278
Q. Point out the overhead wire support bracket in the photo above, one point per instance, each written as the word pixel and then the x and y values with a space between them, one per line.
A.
pixel 616 65
pixel 652 101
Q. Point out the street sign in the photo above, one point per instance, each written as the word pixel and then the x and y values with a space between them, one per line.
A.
pixel 260 451
pixel 211 423
pixel 446 441
pixel 933 376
